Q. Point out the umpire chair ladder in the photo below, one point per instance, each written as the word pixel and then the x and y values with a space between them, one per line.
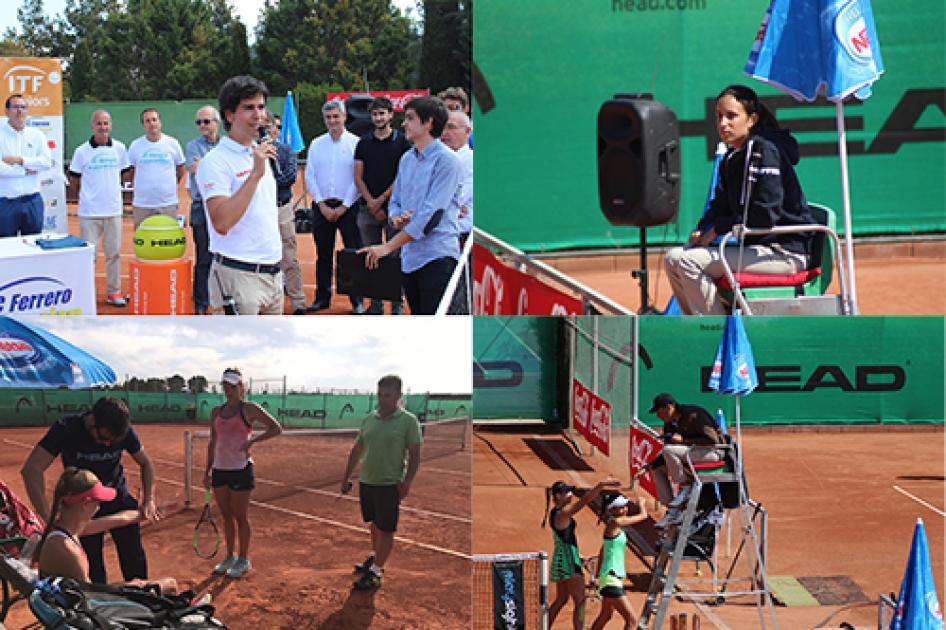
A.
pixel 672 548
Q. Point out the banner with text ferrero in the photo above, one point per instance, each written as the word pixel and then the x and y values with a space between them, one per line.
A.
pixel 498 289
pixel 591 417
pixel 39 81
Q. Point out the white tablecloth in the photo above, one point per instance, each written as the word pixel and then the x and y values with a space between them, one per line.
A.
pixel 35 281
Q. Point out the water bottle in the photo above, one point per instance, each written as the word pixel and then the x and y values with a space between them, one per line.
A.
pixel 26 553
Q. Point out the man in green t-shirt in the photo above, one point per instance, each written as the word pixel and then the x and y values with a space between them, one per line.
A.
pixel 385 479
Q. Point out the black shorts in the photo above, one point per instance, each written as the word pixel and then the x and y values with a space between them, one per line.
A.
pixel 380 505
pixel 613 592
pixel 234 479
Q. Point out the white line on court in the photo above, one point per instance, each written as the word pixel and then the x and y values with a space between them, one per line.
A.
pixel 919 500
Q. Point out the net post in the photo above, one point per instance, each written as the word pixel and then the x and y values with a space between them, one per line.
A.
pixel 188 472
pixel 544 590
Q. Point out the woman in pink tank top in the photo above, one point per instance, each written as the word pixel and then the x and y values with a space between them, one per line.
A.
pixel 230 468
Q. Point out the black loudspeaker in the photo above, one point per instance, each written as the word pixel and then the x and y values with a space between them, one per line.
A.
pixel 638 161
pixel 358 116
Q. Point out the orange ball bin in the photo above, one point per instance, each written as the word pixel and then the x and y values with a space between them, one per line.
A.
pixel 161 287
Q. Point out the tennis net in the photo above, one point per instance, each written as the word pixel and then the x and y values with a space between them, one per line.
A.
pixel 510 590
pixel 316 458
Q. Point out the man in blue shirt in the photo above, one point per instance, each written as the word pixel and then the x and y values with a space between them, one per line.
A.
pixel 208 123
pixel 424 208
pixel 95 441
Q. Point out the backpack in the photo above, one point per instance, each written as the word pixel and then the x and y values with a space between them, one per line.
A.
pixel 16 519
pixel 66 604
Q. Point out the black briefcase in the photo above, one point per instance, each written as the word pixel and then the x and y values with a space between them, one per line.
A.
pixel 353 278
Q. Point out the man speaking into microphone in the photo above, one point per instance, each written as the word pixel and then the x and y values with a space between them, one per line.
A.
pixel 239 191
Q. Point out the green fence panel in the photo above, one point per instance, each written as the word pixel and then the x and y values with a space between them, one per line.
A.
pixel 614 374
pixel 824 370
pixel 514 368
pixel 22 407
pixel 177 120
pixel 536 149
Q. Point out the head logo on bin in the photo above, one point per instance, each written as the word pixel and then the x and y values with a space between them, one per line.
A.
pixel 159 238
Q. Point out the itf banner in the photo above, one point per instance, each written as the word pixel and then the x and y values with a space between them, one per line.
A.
pixel 509 612
pixel 39 81
pixel 499 289
pixel 644 447
pixel 591 417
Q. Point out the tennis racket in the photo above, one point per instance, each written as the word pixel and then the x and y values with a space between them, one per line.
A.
pixel 206 536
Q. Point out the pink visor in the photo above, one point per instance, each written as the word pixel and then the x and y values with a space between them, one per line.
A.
pixel 97 492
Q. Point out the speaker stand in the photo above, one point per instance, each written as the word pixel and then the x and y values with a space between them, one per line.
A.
pixel 641 275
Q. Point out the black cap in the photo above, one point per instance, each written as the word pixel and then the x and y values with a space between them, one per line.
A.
pixel 662 400
pixel 560 487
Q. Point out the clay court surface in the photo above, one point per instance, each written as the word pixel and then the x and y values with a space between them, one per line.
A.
pixel 840 504
pixel 306 540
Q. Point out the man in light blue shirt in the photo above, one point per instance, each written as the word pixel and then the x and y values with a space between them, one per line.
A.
pixel 424 208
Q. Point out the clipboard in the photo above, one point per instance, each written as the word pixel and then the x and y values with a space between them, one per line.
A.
pixel 353 278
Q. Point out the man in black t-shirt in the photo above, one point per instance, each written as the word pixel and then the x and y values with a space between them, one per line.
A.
pixel 95 441
pixel 689 431
pixel 377 157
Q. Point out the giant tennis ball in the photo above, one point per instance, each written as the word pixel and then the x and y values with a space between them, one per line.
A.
pixel 159 238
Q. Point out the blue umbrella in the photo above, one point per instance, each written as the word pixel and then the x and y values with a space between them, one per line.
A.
pixel 821 47
pixel 290 133
pixel 734 367
pixel 33 357
pixel 917 605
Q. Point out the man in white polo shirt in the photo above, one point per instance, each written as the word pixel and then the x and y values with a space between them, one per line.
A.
pixel 23 154
pixel 96 174
pixel 237 184
pixel 157 163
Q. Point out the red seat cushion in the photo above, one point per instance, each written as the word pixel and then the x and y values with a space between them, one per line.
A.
pixel 709 465
pixel 758 280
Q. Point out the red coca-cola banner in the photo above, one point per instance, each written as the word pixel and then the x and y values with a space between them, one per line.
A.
pixel 644 448
pixel 499 289
pixel 400 98
pixel 591 417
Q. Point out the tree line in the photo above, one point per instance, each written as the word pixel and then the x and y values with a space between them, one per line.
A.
pixel 154 50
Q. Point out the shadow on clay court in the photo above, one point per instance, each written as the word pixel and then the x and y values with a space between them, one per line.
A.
pixel 921 478
pixel 213 584
pixel 557 454
pixel 355 614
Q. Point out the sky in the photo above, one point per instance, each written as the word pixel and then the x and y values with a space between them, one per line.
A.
pixel 431 354
pixel 245 10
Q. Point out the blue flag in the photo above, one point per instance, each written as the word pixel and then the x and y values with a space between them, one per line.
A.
pixel 817 47
pixel 917 605
pixel 734 367
pixel 33 357
pixel 290 133
pixel 721 421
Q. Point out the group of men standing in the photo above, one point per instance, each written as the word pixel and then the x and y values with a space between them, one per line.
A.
pixel 398 193
pixel 393 194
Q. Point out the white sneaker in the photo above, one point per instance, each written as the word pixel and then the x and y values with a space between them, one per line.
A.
pixel 682 497
pixel 224 565
pixel 672 517
pixel 241 566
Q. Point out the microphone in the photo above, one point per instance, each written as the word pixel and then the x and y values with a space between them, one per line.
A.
pixel 263 137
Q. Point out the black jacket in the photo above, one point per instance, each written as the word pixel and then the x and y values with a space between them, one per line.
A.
pixel 777 198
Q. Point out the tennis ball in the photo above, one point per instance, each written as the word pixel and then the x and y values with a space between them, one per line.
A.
pixel 159 238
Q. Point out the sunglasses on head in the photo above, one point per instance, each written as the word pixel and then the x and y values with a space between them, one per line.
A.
pixel 204 121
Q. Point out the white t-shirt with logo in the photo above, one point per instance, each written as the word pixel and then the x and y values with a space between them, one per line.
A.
pixel 99 168
pixel 155 171
pixel 255 238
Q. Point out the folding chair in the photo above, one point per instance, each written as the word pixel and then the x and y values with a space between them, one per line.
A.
pixel 16 578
